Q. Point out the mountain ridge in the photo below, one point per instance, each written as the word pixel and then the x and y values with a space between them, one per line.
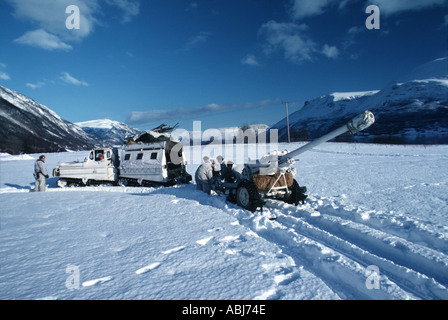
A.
pixel 108 132
pixel 27 126
pixel 409 112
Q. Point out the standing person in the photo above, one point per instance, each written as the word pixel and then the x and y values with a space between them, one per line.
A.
pixel 203 176
pixel 40 174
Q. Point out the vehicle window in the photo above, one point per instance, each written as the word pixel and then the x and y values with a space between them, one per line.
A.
pixel 91 155
pixel 154 156
pixel 140 156
pixel 108 154
pixel 99 154
pixel 127 156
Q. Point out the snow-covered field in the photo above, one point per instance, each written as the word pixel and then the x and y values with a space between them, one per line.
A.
pixel 375 227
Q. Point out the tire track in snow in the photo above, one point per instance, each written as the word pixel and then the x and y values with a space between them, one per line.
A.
pixel 338 244
pixel 396 258
pixel 413 247
pixel 405 227
pixel 345 276
pixel 356 249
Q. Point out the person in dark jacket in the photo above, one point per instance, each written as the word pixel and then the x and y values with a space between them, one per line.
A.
pixel 226 171
pixel 40 174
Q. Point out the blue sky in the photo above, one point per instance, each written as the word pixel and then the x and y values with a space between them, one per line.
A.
pixel 225 63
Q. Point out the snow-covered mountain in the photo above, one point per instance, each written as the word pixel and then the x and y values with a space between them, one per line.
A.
pixel 109 132
pixel 410 112
pixel 435 69
pixel 27 126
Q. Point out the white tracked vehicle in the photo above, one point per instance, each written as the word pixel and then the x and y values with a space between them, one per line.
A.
pixel 148 159
pixel 100 167
pixel 272 176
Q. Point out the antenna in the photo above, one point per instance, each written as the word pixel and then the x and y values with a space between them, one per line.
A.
pixel 287 120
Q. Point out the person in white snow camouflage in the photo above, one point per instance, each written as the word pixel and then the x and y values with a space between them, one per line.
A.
pixel 204 175
pixel 40 174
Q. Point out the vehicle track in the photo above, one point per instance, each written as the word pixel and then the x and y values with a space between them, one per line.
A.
pixel 339 245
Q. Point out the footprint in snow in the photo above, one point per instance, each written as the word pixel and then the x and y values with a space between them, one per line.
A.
pixel 96 281
pixel 177 249
pixel 204 241
pixel 152 266
pixel 228 239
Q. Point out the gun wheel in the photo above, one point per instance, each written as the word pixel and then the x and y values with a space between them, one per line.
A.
pixel 247 196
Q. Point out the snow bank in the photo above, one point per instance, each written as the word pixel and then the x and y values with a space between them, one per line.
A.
pixel 8 157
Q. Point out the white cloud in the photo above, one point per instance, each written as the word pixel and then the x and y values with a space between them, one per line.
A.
pixel 35 85
pixel 4 76
pixel 193 6
pixel 356 30
pixel 179 113
pixel 289 38
pixel 130 8
pixel 201 37
pixel 330 51
pixel 49 15
pixel 306 8
pixel 250 60
pixel 67 78
pixel 293 41
pixel 389 7
pixel 42 39
pixel 136 118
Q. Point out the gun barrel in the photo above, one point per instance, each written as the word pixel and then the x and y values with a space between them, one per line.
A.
pixel 358 123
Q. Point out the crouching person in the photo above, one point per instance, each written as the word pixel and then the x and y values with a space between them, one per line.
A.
pixel 204 175
pixel 40 174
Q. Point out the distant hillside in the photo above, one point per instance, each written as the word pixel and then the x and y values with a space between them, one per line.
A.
pixel 412 112
pixel 108 132
pixel 26 126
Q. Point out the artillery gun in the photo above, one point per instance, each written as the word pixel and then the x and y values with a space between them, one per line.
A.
pixel 272 176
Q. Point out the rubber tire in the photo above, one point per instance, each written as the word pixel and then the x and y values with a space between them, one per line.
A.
pixel 247 196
